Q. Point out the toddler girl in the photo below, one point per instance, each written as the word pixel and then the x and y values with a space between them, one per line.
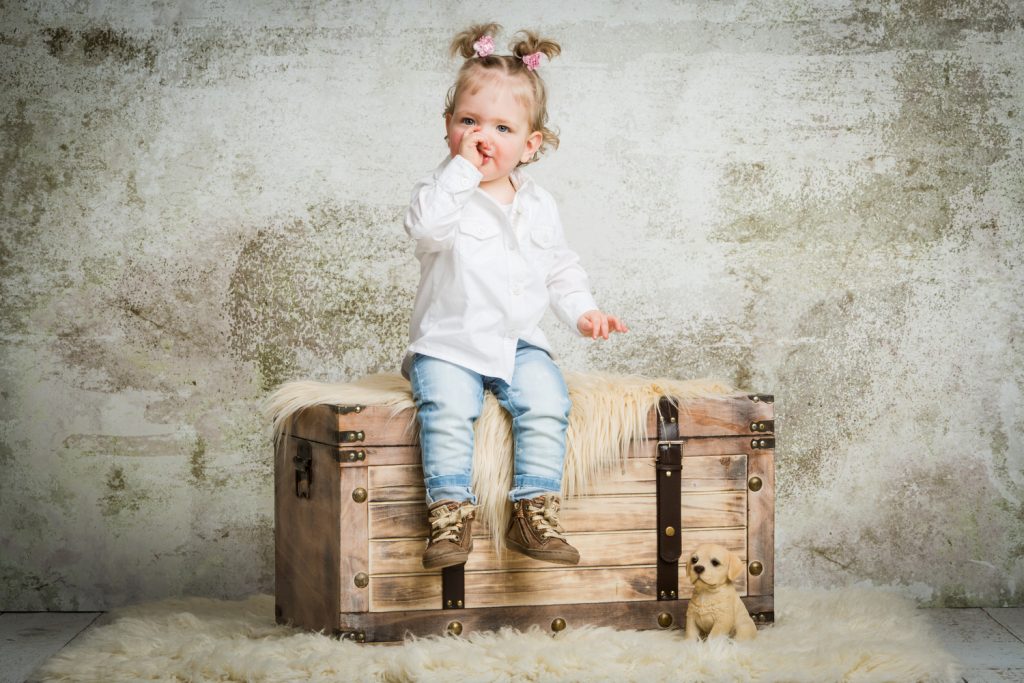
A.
pixel 492 258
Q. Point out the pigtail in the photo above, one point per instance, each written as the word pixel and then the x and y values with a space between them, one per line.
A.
pixel 462 43
pixel 530 43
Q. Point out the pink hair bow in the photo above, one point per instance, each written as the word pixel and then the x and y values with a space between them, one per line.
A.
pixel 532 60
pixel 484 46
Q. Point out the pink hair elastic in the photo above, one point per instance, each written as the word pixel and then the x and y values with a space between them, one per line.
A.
pixel 484 46
pixel 532 60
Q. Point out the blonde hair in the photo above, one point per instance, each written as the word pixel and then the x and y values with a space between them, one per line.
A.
pixel 533 94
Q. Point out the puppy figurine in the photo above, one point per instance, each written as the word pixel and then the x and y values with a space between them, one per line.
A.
pixel 715 608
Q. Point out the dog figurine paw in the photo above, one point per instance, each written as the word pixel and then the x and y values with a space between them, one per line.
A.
pixel 715 608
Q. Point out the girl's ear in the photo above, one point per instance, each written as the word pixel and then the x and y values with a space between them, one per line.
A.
pixel 532 145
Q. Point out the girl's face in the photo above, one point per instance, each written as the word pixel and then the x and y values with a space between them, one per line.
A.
pixel 490 105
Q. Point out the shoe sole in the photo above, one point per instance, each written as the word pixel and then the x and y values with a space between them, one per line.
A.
pixel 441 564
pixel 555 558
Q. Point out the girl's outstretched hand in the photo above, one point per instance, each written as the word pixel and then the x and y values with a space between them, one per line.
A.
pixel 597 324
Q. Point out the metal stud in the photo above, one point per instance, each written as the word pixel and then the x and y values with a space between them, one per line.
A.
pixel 361 580
pixel 672 419
pixel 664 620
pixel 755 398
pixel 754 483
pixel 455 628
pixel 558 625
pixel 753 443
pixel 670 531
pixel 458 603
pixel 756 568
pixel 672 594
pixel 448 604
pixel 753 426
pixel 761 443
pixel 359 495
pixel 668 473
pixel 662 595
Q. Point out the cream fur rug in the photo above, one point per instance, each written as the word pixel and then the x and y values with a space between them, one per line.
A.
pixel 608 412
pixel 857 635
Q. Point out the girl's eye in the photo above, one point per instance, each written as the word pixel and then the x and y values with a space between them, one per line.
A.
pixel 466 121
pixel 502 128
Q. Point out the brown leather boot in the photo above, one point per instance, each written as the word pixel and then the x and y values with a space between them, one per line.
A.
pixel 451 534
pixel 535 531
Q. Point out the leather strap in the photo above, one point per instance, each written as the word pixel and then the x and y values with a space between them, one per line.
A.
pixel 453 587
pixel 669 491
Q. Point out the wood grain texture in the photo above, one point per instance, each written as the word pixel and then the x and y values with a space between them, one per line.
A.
pixel 393 626
pixel 591 513
pixel 402 556
pixel 724 416
pixel 307 534
pixel 530 587
pixel 354 540
pixel 636 475
pixel 761 521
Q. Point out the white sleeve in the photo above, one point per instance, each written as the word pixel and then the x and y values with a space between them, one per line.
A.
pixel 567 282
pixel 437 203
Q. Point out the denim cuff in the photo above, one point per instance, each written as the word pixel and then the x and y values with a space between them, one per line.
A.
pixel 449 486
pixel 526 486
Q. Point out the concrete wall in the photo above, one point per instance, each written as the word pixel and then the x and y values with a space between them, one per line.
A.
pixel 822 200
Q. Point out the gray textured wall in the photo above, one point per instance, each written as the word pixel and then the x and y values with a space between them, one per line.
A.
pixel 201 200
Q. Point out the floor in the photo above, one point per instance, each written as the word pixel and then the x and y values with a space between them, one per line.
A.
pixel 989 642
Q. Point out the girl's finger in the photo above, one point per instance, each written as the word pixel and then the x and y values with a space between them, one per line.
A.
pixel 604 326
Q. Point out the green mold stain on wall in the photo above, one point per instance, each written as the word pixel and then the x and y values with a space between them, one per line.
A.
pixel 95 45
pixel 330 294
pixel 120 496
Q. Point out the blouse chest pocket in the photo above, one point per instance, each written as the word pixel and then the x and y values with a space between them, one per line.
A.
pixel 543 240
pixel 480 230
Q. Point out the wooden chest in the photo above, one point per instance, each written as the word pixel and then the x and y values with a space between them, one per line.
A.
pixel 351 526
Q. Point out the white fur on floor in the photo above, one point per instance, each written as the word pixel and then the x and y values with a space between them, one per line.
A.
pixel 864 635
pixel 608 413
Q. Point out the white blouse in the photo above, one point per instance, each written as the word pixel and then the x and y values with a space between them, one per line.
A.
pixel 487 276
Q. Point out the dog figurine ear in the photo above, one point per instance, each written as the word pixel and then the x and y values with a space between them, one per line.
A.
pixel 736 568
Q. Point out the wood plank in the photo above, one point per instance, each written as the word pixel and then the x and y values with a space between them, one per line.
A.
pixel 644 614
pixel 761 521
pixel 531 587
pixel 354 543
pixel 591 513
pixel 724 416
pixel 307 532
pixel 636 475
pixel 380 427
pixel 402 556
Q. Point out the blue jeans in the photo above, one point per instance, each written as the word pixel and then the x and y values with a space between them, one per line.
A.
pixel 449 399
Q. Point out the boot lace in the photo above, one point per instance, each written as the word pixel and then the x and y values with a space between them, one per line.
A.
pixel 447 524
pixel 543 514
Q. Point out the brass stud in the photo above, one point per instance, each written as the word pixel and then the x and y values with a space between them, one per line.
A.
pixel 359 495
pixel 761 443
pixel 361 455
pixel 664 620
pixel 662 594
pixel 670 531
pixel 672 594
pixel 352 456
pixel 753 443
pixel 360 436
pixel 753 426
pixel 448 604
pixel 361 637
pixel 361 580
pixel 458 603
pixel 359 409
pixel 754 483
pixel 668 473
pixel 761 427
pixel 756 568
pixel 558 625
pixel 455 628
pixel 672 419
pixel 755 398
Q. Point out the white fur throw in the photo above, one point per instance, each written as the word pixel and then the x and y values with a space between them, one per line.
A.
pixel 866 636
pixel 608 412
